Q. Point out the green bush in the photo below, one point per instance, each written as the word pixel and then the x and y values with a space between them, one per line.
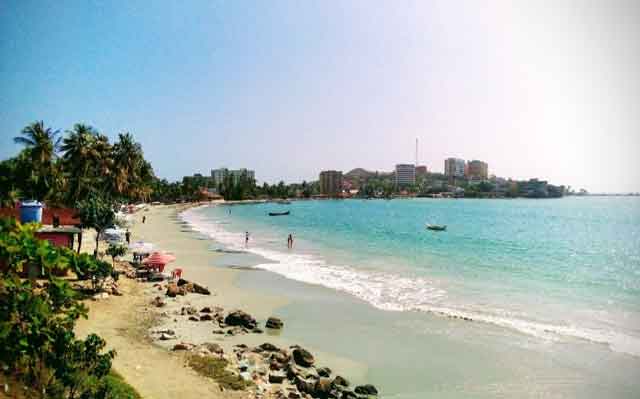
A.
pixel 116 251
pixel 39 346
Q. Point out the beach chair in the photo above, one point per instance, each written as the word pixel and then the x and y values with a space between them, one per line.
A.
pixel 176 273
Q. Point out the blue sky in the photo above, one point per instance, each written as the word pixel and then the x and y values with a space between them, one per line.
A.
pixel 536 89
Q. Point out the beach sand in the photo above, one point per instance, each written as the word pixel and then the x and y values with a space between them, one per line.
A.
pixel 126 321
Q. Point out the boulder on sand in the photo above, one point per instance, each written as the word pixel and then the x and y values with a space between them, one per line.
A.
pixel 240 318
pixel 172 290
pixel 275 323
pixel 303 357
pixel 367 389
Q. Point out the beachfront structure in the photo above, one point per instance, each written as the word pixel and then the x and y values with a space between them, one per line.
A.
pixel 405 174
pixel 477 170
pixel 454 167
pixel 331 182
pixel 218 174
pixel 421 171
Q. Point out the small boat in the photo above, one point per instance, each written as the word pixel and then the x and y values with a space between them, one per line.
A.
pixel 283 202
pixel 437 227
pixel 279 213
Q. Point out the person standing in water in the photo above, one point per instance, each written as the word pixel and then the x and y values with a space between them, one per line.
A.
pixel 127 236
pixel 290 241
pixel 246 239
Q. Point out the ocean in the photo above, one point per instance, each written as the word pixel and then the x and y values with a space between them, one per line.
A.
pixel 555 280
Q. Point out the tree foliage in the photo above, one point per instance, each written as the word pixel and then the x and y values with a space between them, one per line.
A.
pixel 39 347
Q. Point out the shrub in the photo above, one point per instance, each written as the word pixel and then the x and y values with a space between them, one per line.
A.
pixel 116 250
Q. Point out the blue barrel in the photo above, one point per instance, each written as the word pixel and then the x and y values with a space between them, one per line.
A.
pixel 30 211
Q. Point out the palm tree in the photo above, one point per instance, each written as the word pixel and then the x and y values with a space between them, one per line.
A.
pixel 42 141
pixel 129 167
pixel 87 160
pixel 41 146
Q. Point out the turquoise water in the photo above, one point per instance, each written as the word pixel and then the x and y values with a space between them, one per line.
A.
pixel 566 269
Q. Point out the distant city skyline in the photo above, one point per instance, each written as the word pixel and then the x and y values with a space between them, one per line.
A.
pixel 543 90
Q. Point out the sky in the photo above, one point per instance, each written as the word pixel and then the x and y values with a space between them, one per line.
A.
pixel 547 89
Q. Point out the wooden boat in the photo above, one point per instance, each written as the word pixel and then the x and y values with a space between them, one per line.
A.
pixel 279 213
pixel 437 227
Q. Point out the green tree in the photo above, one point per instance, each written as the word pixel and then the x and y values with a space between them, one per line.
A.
pixel 96 212
pixel 41 145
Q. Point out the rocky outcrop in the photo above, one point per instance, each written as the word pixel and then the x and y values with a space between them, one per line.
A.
pixel 303 357
pixel 366 390
pixel 242 319
pixel 274 323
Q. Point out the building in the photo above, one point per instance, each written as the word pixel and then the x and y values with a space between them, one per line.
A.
pixel 405 174
pixel 331 182
pixel 477 170
pixel 454 167
pixel 421 171
pixel 218 174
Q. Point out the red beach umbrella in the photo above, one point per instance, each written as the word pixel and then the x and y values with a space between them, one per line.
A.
pixel 158 259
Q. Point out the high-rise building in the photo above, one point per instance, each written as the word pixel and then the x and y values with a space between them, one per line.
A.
pixel 454 167
pixel 331 182
pixel 421 170
pixel 219 174
pixel 405 174
pixel 477 170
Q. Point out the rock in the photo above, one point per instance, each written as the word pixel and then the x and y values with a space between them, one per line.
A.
pixel 245 375
pixel 166 337
pixel 294 395
pixel 240 318
pixel 206 317
pixel 188 310
pixel 213 348
pixel 257 330
pixel 302 357
pixel 324 371
pixel 193 318
pixel 158 302
pixel 348 395
pixel 182 347
pixel 206 309
pixel 172 290
pixel 323 387
pixel 182 282
pixel 276 377
pixel 267 347
pixel 275 323
pixel 198 289
pixel 367 389
pixel 341 381
pixel 218 331
pixel 306 385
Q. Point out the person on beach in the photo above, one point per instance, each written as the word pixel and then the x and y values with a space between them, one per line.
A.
pixel 290 241
pixel 144 218
pixel 246 239
pixel 127 236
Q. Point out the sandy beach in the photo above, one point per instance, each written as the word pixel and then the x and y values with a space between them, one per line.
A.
pixel 128 322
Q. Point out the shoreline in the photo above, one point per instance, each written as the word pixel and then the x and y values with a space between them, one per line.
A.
pixel 142 353
pixel 451 351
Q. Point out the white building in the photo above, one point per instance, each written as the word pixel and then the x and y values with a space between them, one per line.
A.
pixel 454 167
pixel 219 174
pixel 405 174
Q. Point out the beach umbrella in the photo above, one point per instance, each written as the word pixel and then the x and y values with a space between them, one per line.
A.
pixel 158 258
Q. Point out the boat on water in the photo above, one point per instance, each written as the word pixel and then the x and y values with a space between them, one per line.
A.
pixel 279 213
pixel 437 227
pixel 284 202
